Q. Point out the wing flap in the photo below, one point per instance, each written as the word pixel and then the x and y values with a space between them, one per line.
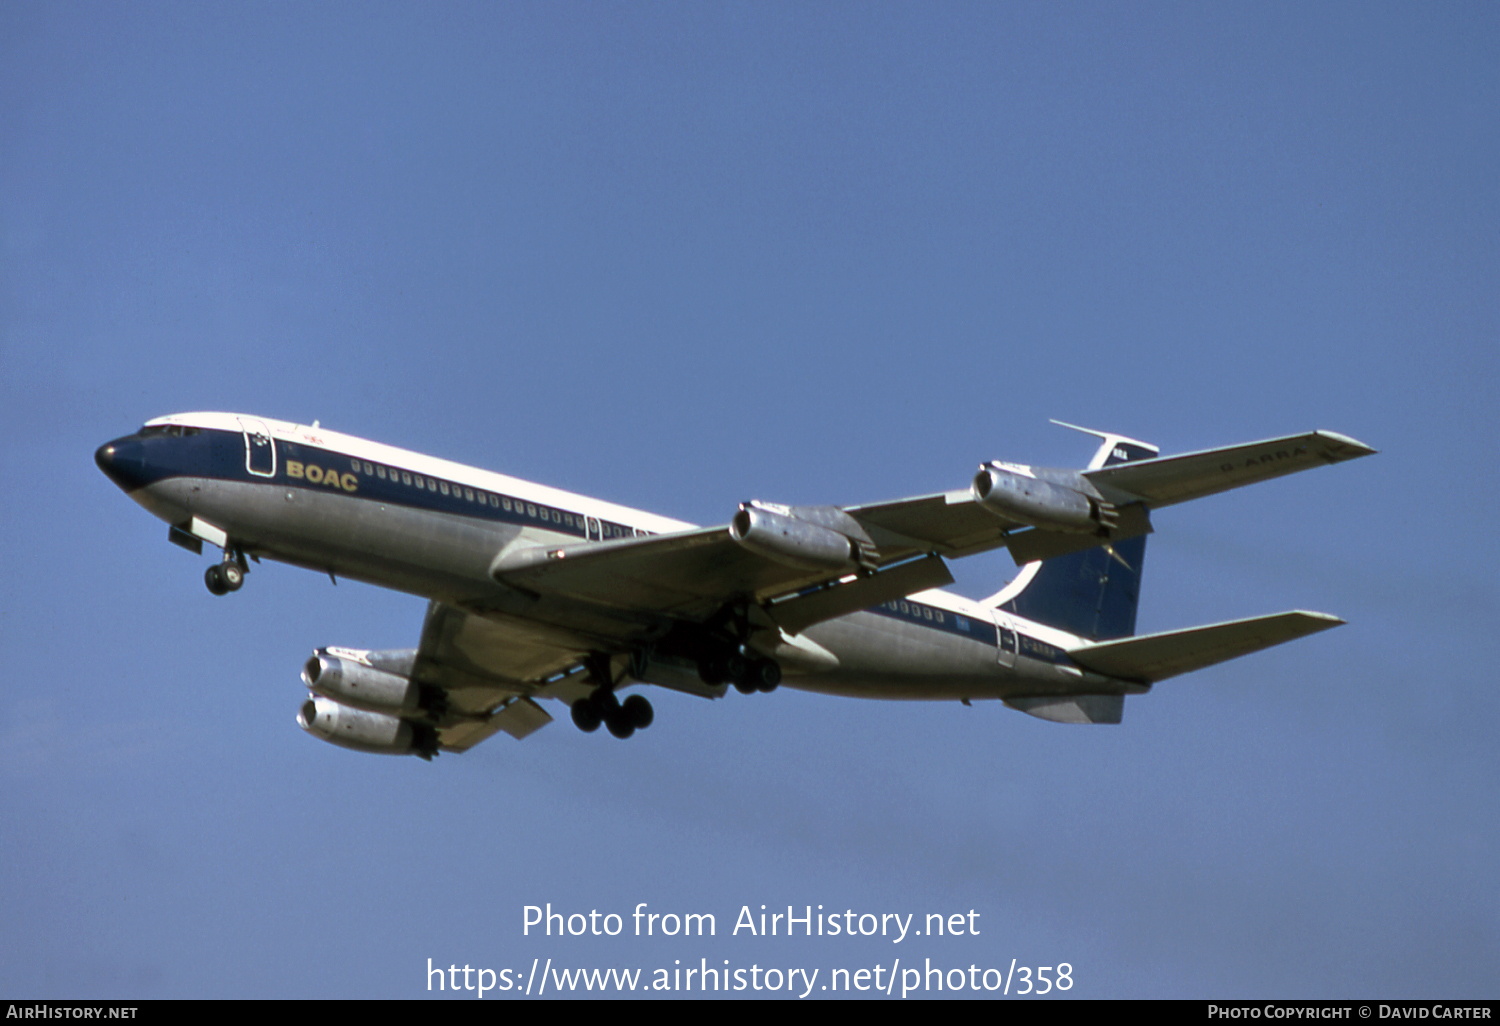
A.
pixel 487 669
pixel 797 614
pixel 519 718
pixel 1153 657
pixel 480 661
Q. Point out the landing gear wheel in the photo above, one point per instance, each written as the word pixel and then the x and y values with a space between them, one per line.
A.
pixel 758 675
pixel 638 711
pixel 619 723
pixel 724 668
pixel 765 675
pixel 232 575
pixel 214 578
pixel 586 715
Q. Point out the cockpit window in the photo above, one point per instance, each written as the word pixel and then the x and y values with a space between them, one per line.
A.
pixel 173 430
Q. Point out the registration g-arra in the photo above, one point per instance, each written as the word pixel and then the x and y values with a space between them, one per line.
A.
pixel 537 594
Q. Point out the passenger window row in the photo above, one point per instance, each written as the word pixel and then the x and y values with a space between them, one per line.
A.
pixel 916 610
pixel 603 529
pixel 979 630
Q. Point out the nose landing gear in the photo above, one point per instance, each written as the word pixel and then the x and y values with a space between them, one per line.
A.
pixel 222 578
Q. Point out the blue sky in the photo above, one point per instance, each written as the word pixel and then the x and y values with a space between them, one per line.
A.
pixel 678 256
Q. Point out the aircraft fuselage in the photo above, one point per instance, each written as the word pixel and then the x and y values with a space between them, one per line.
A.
pixel 385 516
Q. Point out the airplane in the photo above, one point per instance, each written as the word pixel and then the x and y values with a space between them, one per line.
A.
pixel 539 594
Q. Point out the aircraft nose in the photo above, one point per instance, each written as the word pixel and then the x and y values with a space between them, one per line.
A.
pixel 121 462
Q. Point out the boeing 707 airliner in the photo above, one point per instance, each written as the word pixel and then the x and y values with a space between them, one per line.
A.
pixel 538 594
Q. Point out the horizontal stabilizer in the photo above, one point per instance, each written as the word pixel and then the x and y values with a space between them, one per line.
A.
pixel 1153 657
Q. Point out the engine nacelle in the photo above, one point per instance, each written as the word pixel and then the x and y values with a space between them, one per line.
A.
pixel 365 731
pixel 1016 493
pixel 359 685
pixel 791 541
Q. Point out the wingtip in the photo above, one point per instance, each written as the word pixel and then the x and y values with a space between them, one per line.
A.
pixel 1322 621
pixel 1345 448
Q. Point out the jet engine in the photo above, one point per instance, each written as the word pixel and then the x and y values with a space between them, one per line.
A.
pixel 365 731
pixel 358 684
pixel 1062 501
pixel 777 534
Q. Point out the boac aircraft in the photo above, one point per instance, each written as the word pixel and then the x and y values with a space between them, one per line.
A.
pixel 540 594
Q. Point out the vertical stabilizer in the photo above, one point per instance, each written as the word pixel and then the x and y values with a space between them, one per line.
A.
pixel 1093 593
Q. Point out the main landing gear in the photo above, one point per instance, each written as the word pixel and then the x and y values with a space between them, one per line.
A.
pixel 603 706
pixel 748 674
pixel 222 578
pixel 721 665
pixel 622 718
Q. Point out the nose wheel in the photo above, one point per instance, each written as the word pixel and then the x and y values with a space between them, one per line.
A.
pixel 222 578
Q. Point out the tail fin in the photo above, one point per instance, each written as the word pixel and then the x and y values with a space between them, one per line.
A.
pixel 1092 593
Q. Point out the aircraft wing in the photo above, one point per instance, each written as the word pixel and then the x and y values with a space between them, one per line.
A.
pixel 687 574
pixel 693 575
pixel 490 670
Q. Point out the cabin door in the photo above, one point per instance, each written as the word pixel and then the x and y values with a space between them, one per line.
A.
pixel 260 448
pixel 1005 639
